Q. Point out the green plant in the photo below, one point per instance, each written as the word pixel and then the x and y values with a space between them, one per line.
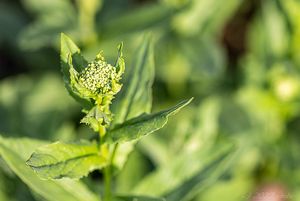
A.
pixel 94 85
pixel 119 115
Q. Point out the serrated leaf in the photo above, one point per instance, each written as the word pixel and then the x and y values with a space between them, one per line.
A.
pixel 72 160
pixel 137 198
pixel 16 151
pixel 143 124
pixel 69 52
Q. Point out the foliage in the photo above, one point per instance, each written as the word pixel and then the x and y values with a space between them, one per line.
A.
pixel 239 60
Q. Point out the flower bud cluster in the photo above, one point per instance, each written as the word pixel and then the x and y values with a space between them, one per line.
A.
pixel 98 77
pixel 98 82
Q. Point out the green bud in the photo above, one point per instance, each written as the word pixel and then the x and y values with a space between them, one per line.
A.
pixel 93 84
pixel 98 79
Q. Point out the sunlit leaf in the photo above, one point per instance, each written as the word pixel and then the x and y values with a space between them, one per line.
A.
pixel 73 160
pixel 70 52
pixel 16 151
pixel 143 125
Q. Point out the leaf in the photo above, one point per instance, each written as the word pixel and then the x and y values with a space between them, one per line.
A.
pixel 70 52
pixel 12 20
pixel 136 96
pixel 143 124
pixel 137 198
pixel 132 20
pixel 87 10
pixel 201 14
pixel 203 179
pixel 73 160
pixel 52 18
pixel 16 151
pixel 187 173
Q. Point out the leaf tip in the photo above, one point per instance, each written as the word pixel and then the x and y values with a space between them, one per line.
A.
pixel 120 46
pixel 63 35
pixel 190 100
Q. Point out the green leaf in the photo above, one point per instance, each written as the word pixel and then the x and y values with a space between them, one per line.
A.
pixel 73 160
pixel 52 17
pixel 16 151
pixel 136 96
pixel 137 198
pixel 143 124
pixel 69 52
pixel 183 179
pixel 87 10
pixel 139 19
pixel 203 179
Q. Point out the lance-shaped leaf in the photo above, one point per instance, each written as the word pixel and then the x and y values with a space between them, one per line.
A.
pixel 136 96
pixel 16 151
pixel 143 124
pixel 73 160
pixel 137 198
pixel 69 52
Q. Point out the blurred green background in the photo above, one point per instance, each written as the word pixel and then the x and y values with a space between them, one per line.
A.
pixel 240 59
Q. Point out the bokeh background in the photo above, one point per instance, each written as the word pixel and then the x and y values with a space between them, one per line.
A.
pixel 239 59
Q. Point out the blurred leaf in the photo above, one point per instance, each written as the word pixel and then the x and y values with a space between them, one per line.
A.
pixel 137 198
pixel 136 96
pixel 28 103
pixel 16 151
pixel 274 29
pixel 72 160
pixel 196 60
pixel 135 168
pixel 155 148
pixel 53 17
pixel 201 15
pixel 144 124
pixel 87 12
pixel 12 20
pixel 183 167
pixel 3 193
pixel 202 180
pixel 262 108
pixel 224 189
pixel 137 19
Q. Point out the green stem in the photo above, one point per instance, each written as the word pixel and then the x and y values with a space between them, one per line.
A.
pixel 108 175
pixel 113 154
pixel 107 179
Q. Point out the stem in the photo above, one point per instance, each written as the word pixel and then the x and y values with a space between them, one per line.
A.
pixel 108 175
pixel 113 154
pixel 108 169
pixel 107 179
